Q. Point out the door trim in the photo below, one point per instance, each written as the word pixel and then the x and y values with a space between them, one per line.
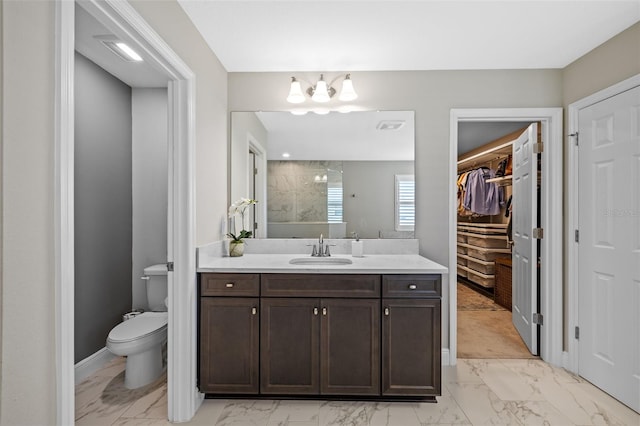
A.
pixel 572 357
pixel 120 17
pixel 551 294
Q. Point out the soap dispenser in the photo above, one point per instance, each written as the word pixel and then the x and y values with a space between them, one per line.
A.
pixel 356 246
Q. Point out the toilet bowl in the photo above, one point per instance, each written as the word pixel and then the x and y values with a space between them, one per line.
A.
pixel 142 338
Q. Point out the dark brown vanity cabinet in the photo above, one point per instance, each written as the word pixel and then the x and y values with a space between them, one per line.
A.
pixel 229 333
pixel 411 335
pixel 320 334
pixel 321 345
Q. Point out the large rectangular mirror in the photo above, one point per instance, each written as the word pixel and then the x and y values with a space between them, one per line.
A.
pixel 334 174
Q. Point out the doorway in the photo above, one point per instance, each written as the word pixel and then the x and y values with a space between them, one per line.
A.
pixel 122 20
pixel 604 228
pixel 550 215
pixel 487 206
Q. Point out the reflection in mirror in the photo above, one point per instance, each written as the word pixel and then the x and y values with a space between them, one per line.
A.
pixel 334 174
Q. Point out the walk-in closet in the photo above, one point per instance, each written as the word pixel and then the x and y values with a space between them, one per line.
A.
pixel 485 218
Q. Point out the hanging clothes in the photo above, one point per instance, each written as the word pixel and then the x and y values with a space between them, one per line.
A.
pixel 482 197
pixel 462 188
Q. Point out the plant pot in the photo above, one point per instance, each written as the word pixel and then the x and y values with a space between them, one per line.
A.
pixel 236 248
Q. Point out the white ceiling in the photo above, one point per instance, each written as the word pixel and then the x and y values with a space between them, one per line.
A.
pixel 134 74
pixel 350 137
pixel 333 35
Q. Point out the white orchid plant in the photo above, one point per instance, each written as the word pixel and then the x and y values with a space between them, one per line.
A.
pixel 240 207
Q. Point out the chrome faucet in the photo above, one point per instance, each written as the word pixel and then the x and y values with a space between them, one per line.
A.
pixel 322 250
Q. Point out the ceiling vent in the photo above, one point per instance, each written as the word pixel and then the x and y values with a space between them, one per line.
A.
pixel 390 124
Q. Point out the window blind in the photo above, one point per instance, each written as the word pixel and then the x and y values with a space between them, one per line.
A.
pixel 405 203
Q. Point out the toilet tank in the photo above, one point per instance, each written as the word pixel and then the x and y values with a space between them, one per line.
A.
pixel 157 289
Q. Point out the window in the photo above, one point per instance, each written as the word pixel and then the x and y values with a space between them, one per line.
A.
pixel 334 202
pixel 405 203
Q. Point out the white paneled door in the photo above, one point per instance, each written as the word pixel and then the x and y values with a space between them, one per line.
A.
pixel 525 246
pixel 609 245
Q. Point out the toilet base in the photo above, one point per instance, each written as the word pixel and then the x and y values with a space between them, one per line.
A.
pixel 144 368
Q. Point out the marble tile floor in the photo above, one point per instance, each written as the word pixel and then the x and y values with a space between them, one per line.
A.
pixel 475 392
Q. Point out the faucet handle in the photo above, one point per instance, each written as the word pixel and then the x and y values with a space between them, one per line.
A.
pixel 314 252
pixel 327 253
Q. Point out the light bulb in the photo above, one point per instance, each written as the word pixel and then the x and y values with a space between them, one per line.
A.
pixel 295 93
pixel 348 93
pixel 321 91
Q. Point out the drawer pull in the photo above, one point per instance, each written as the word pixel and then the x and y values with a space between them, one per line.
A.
pixel 386 311
pixel 254 310
pixel 324 311
pixel 412 286
pixel 315 311
pixel 229 285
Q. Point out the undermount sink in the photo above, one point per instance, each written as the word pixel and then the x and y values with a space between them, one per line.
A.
pixel 320 261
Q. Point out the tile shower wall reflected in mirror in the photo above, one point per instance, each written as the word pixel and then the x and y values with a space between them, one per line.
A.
pixel 304 199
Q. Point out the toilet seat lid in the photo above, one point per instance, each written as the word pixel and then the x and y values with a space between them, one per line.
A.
pixel 137 327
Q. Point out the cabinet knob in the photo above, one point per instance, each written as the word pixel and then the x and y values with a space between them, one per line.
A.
pixel 412 286
pixel 386 311
pixel 315 311
pixel 324 311
pixel 229 285
pixel 254 310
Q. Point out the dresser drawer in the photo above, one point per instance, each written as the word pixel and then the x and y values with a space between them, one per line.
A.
pixel 230 285
pixel 321 285
pixel 412 286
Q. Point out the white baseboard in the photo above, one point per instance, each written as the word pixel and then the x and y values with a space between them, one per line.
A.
pixel 92 363
pixel 446 360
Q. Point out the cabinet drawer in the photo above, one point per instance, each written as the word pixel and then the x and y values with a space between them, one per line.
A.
pixel 230 285
pixel 411 286
pixel 320 285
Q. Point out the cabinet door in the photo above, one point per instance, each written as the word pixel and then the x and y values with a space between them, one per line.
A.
pixel 350 347
pixel 290 346
pixel 229 339
pixel 411 347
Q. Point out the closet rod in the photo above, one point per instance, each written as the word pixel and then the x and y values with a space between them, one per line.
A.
pixel 488 151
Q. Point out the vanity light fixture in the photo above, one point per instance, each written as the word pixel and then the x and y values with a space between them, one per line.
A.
pixel 322 91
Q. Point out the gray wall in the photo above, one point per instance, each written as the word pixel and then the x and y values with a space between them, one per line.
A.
pixel 149 180
pixel 102 205
pixel 373 184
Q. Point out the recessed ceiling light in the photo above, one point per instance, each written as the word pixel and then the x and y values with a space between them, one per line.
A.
pixel 120 48
pixel 286 155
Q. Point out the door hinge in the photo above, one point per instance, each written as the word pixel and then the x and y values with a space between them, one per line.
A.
pixel 538 148
pixel 255 225
pixel 538 233
pixel 576 236
pixel 170 266
pixel 577 333
pixel 577 136
pixel 255 171
pixel 537 318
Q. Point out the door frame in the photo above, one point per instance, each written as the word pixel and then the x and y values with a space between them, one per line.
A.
pixel 551 294
pixel 260 154
pixel 571 357
pixel 120 17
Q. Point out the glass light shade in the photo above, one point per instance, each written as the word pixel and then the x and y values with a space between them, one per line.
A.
pixel 295 93
pixel 321 92
pixel 348 93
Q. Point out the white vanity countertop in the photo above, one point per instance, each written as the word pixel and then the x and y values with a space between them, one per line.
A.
pixel 279 263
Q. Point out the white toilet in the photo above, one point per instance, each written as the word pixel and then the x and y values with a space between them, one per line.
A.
pixel 142 338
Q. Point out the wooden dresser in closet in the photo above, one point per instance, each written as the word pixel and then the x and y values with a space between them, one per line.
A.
pixel 479 245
